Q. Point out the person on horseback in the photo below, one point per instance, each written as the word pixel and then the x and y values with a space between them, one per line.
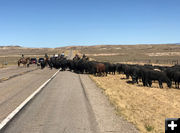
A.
pixel 46 61
pixel 76 57
pixel 22 57
pixel 24 61
pixel 62 54
pixel 85 57
pixel 46 56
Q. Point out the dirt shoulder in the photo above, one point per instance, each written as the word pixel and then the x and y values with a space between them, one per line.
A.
pixel 104 112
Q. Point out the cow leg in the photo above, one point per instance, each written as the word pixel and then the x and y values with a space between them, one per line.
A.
pixel 178 85
pixel 143 80
pixel 127 76
pixel 94 73
pixel 160 84
pixel 133 81
pixel 144 84
pixel 175 84
pixel 150 83
pixel 137 80
pixel 103 73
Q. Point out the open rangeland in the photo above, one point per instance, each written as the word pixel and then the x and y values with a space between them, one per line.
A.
pixel 156 54
pixel 145 107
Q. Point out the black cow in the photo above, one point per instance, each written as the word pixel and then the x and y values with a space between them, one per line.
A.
pixel 91 67
pixel 149 75
pixel 43 64
pixel 176 78
pixel 119 68
pixel 136 74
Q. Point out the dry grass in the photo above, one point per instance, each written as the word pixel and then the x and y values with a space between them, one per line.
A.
pixel 4 51
pixel 145 107
pixel 157 54
pixel 104 54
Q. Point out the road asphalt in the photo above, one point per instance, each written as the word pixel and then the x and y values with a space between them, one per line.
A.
pixel 14 91
pixel 65 106
pixel 14 71
pixel 70 103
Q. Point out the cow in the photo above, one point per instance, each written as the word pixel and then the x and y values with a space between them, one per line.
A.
pixel 149 75
pixel 176 78
pixel 136 74
pixel 100 69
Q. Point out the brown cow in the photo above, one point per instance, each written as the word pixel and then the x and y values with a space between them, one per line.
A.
pixel 100 69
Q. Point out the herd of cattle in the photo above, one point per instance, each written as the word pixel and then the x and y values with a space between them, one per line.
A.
pixel 146 73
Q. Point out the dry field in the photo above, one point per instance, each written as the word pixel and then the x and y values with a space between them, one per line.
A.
pixel 156 54
pixel 145 107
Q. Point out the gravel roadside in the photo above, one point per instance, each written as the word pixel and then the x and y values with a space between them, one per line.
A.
pixel 104 112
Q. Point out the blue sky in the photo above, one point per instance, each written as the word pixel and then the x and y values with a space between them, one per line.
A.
pixel 55 23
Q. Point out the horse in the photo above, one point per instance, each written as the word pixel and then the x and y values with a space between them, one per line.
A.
pixel 24 61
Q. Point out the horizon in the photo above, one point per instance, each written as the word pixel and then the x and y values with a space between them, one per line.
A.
pixel 90 45
pixel 63 23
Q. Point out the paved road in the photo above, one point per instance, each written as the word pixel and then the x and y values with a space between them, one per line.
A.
pixel 13 71
pixel 70 103
pixel 65 106
pixel 16 90
pixel 60 108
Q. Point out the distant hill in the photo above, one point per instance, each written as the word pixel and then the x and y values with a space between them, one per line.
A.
pixel 11 46
pixel 18 50
pixel 145 53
